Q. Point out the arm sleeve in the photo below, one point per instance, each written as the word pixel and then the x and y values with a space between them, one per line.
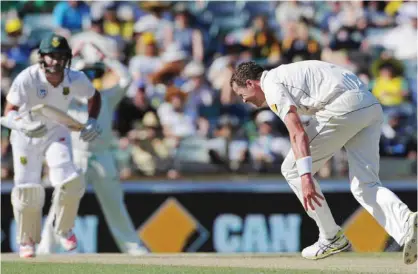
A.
pixel 116 94
pixel 84 88
pixel 17 93
pixel 277 97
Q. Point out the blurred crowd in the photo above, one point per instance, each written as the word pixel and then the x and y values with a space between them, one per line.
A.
pixel 180 115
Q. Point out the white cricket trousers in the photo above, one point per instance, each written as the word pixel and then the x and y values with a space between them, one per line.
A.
pixel 100 171
pixel 352 121
pixel 29 154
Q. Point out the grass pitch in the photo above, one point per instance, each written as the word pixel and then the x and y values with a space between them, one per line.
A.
pixel 198 263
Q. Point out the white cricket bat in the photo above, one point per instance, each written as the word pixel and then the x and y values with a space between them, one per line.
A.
pixel 55 115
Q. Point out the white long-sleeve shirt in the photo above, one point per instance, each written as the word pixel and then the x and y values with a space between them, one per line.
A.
pixel 307 85
pixel 110 99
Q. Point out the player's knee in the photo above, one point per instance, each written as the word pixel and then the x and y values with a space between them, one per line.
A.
pixel 289 170
pixel 73 187
pixel 28 197
pixel 63 173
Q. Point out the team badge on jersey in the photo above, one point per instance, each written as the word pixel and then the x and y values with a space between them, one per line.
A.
pixel 55 42
pixel 42 93
pixel 273 107
pixel 23 160
pixel 66 91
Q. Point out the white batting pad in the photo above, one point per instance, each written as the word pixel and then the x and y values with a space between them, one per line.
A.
pixel 27 201
pixel 66 199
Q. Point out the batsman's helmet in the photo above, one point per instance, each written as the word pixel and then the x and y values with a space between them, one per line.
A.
pixel 55 43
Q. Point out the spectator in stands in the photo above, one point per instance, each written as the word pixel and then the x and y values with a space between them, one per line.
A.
pixel 69 15
pixel 132 111
pixel 111 24
pixel 228 148
pixel 268 149
pixel 330 21
pixel 376 15
pixel 353 30
pixel 199 92
pixel 262 40
pixel 149 148
pixel 182 33
pixel 174 60
pixel 175 122
pixel 291 12
pixel 398 138
pixel 17 56
pixel 298 45
pixel 154 21
pixel 401 40
pixel 147 59
pixel 221 69
pixel 390 88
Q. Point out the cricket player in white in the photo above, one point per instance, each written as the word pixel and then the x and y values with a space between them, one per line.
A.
pixel 344 114
pixel 34 138
pixel 97 162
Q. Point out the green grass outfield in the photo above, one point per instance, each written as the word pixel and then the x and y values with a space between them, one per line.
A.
pixel 205 264
pixel 56 268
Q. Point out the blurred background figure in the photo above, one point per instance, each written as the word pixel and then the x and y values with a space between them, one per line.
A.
pixel 269 149
pixel 71 15
pixel 182 33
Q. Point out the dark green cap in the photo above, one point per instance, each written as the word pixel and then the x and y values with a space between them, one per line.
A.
pixel 54 43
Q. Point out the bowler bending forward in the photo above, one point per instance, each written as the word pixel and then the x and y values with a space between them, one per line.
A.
pixel 344 114
pixel 34 138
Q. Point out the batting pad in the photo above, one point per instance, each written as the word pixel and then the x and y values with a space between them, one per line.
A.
pixel 66 199
pixel 28 201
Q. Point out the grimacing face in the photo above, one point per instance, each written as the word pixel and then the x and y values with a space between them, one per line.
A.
pixel 251 93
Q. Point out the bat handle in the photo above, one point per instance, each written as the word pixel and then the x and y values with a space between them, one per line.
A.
pixel 22 115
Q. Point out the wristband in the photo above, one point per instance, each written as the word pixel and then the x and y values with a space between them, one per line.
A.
pixel 304 165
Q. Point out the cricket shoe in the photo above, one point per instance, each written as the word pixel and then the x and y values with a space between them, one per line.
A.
pixel 410 247
pixel 137 251
pixel 27 251
pixel 326 247
pixel 69 241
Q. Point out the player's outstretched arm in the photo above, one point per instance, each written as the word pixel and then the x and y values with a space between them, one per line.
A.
pixel 116 93
pixel 300 146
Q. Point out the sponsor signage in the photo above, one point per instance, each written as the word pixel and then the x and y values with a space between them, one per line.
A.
pixel 218 218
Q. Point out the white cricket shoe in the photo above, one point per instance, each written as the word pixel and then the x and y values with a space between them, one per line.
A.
pixel 324 248
pixel 410 247
pixel 139 251
pixel 27 251
pixel 69 241
pixel 135 249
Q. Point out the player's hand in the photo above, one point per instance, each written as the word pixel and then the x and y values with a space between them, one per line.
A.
pixel 309 192
pixel 91 131
pixel 35 129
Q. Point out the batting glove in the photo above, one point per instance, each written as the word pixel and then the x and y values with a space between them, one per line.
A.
pixel 91 131
pixel 34 129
